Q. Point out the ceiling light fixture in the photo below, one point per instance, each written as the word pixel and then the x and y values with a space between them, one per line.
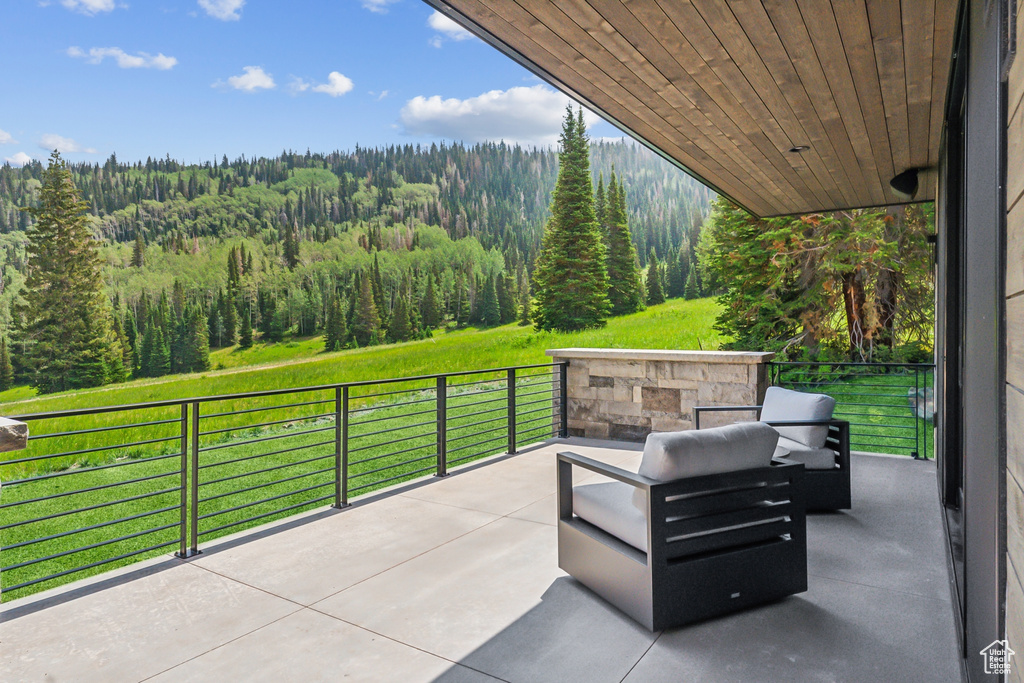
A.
pixel 796 149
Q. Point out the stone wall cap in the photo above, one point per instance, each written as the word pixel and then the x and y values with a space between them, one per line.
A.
pixel 13 435
pixel 734 357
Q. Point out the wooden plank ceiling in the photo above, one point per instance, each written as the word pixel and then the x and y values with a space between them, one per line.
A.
pixel 727 88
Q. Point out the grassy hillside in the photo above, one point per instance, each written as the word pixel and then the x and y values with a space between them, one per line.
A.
pixel 677 324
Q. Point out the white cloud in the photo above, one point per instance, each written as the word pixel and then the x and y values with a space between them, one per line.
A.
pixel 19 159
pixel 90 7
pixel 528 116
pixel 51 142
pixel 6 139
pixel 142 60
pixel 378 95
pixel 447 28
pixel 379 6
pixel 225 10
pixel 297 85
pixel 337 84
pixel 254 78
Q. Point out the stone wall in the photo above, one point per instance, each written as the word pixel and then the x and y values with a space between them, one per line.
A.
pixel 625 394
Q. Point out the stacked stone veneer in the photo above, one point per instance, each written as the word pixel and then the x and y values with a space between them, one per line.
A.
pixel 625 394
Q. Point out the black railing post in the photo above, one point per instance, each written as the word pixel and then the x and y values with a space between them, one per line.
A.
pixel 511 381
pixel 344 445
pixel 441 401
pixel 183 532
pixel 563 400
pixel 195 477
pixel 917 412
pixel 337 448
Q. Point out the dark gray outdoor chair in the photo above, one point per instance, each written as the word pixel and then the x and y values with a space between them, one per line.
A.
pixel 809 435
pixel 709 525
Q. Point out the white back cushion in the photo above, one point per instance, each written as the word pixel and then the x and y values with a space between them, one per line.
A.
pixel 676 455
pixel 783 405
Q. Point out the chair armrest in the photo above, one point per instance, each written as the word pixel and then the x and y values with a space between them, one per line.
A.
pixel 563 478
pixel 803 423
pixel 697 410
pixel 611 471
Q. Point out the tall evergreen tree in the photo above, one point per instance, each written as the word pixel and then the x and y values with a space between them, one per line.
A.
pixel 601 206
pixel 336 331
pixel 571 279
pixel 490 314
pixel 625 290
pixel 692 289
pixel 366 321
pixel 244 327
pixel 6 369
pixel 431 312
pixel 655 291
pixel 139 251
pixel 65 316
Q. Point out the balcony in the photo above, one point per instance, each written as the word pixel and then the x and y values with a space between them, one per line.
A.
pixel 456 579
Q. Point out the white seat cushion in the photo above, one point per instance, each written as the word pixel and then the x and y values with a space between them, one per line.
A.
pixel 610 507
pixel 784 405
pixel 812 458
pixel 677 455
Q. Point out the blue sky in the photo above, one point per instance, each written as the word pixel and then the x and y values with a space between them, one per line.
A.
pixel 200 78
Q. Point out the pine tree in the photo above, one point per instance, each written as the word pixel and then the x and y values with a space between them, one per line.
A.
pixel 601 206
pixel 229 317
pixel 655 292
pixel 139 252
pixel 625 289
pixel 160 363
pixel 490 313
pixel 431 308
pixel 692 290
pixel 196 349
pixel 401 325
pixel 525 307
pixel 336 332
pixel 366 321
pixel 65 316
pixel 244 327
pixel 676 277
pixel 571 279
pixel 6 369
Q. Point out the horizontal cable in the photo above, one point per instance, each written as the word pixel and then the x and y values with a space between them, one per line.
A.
pixel 91 546
pixel 463 458
pixel 474 404
pixel 97 449
pixel 503 427
pixel 273 483
pixel 384 481
pixel 404 438
pixel 222 463
pixel 390 417
pixel 391 467
pixel 478 443
pixel 265 424
pixel 538 419
pixel 63 494
pixel 85 470
pixel 479 412
pixel 502 378
pixel 133 425
pixel 98 525
pixel 546 401
pixel 502 418
pixel 250 504
pixel 354 397
pixel 467 394
pixel 264 408
pixel 388 406
pixel 536 374
pixel 393 453
pixel 546 392
pixel 353 437
pixel 65 513
pixel 262 439
pixel 266 469
pixel 89 566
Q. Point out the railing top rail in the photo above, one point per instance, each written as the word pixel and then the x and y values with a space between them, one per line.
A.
pixel 272 392
pixel 854 364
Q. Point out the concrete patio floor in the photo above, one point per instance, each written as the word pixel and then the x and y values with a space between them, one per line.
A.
pixel 457 580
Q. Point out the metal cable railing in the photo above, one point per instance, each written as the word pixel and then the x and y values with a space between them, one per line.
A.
pixel 890 406
pixel 104 487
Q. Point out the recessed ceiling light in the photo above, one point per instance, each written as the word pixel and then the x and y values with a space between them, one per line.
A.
pixel 796 149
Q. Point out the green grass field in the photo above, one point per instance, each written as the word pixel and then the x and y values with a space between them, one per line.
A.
pixel 269 457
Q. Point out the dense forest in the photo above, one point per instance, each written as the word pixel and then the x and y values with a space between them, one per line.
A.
pixel 366 246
